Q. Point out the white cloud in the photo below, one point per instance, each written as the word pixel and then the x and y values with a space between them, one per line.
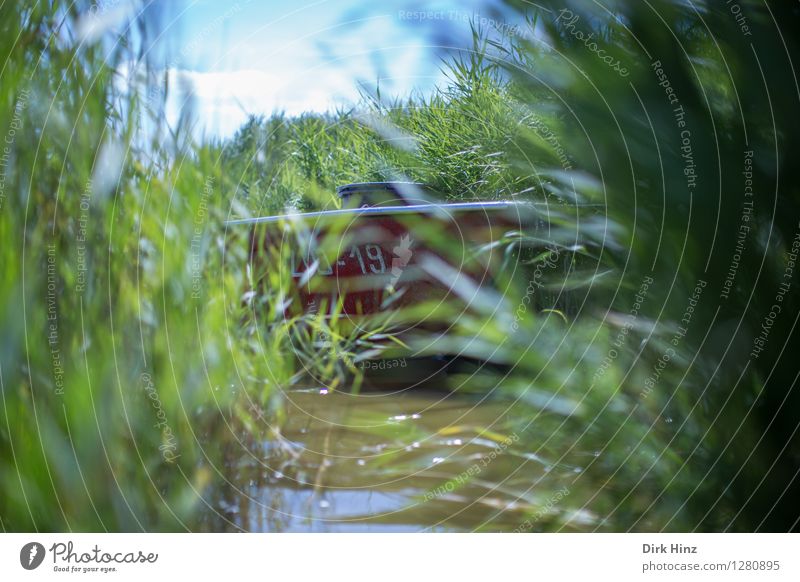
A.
pixel 222 100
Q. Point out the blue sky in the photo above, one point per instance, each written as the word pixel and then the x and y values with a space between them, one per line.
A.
pixel 260 56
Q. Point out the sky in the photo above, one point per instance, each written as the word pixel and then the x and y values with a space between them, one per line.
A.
pixel 261 56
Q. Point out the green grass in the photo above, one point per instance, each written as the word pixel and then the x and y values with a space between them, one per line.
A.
pixel 135 352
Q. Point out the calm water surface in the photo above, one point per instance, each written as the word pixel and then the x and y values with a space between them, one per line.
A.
pixel 403 461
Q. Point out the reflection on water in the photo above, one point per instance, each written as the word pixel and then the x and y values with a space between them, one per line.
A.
pixel 391 462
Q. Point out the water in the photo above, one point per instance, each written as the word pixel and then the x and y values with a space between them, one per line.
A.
pixel 403 461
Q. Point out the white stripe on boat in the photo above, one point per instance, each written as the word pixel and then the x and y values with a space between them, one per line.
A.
pixel 372 210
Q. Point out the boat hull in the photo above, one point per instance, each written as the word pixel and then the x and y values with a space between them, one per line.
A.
pixel 370 261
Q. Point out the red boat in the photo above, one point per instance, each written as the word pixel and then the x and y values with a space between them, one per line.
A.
pixel 383 251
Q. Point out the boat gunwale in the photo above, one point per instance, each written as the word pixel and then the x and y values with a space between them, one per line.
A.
pixel 391 210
